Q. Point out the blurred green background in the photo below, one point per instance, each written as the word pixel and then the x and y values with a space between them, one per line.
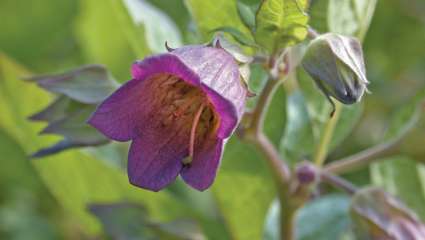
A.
pixel 45 36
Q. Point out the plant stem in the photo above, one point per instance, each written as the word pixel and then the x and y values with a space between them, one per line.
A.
pixel 256 135
pixel 326 137
pixel 281 175
pixel 287 222
pixel 279 168
pixel 338 182
pixel 363 158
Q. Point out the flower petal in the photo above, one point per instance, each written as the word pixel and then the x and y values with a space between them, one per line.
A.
pixel 119 116
pixel 155 158
pixel 211 69
pixel 200 174
pixel 220 79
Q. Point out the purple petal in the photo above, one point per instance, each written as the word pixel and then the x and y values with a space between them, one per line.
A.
pixel 119 116
pixel 200 174
pixel 220 78
pixel 212 69
pixel 155 158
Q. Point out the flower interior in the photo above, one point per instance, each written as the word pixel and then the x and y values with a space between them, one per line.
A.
pixel 182 109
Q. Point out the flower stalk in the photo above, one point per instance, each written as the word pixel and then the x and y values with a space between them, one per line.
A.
pixel 363 158
pixel 281 173
pixel 326 137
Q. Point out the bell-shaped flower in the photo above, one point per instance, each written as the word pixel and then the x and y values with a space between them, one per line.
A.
pixel 178 111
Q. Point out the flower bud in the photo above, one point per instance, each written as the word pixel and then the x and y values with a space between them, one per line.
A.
pixel 336 64
pixel 378 215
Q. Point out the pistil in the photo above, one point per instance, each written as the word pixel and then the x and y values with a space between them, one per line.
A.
pixel 195 124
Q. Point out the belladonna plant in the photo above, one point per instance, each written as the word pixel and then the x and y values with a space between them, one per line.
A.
pixel 178 111
pixel 181 107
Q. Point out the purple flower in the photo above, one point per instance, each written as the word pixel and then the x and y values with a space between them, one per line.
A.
pixel 178 110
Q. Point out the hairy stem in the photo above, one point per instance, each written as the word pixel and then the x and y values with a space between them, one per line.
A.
pixel 326 137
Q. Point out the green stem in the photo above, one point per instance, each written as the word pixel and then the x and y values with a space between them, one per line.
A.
pixel 254 133
pixel 338 182
pixel 326 137
pixel 363 158
pixel 280 170
pixel 287 222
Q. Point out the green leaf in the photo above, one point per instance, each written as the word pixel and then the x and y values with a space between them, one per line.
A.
pixel 39 33
pixel 239 36
pixel 148 18
pixel 79 90
pixel 74 178
pixel 87 84
pixel 177 11
pixel 325 218
pixel 406 117
pixel 107 35
pixel 127 221
pixel 257 80
pixel 349 17
pixel 298 138
pixel 403 177
pixel 17 172
pixel 243 172
pixel 247 10
pixel 281 23
pixel 212 14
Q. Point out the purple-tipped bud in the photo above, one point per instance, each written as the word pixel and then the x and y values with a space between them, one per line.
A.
pixel 178 111
pixel 306 173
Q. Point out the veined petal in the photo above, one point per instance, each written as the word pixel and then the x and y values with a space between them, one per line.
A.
pixel 200 174
pixel 155 159
pixel 120 114
pixel 211 69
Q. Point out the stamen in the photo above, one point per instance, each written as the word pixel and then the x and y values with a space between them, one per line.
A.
pixel 193 130
pixel 191 98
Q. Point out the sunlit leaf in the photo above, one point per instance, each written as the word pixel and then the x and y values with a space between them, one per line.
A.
pixel 349 17
pixel 247 10
pixel 239 36
pixel 107 35
pixel 39 33
pixel 212 14
pixel 148 17
pixel 281 23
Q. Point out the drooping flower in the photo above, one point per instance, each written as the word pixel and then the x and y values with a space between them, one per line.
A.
pixel 336 64
pixel 178 111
